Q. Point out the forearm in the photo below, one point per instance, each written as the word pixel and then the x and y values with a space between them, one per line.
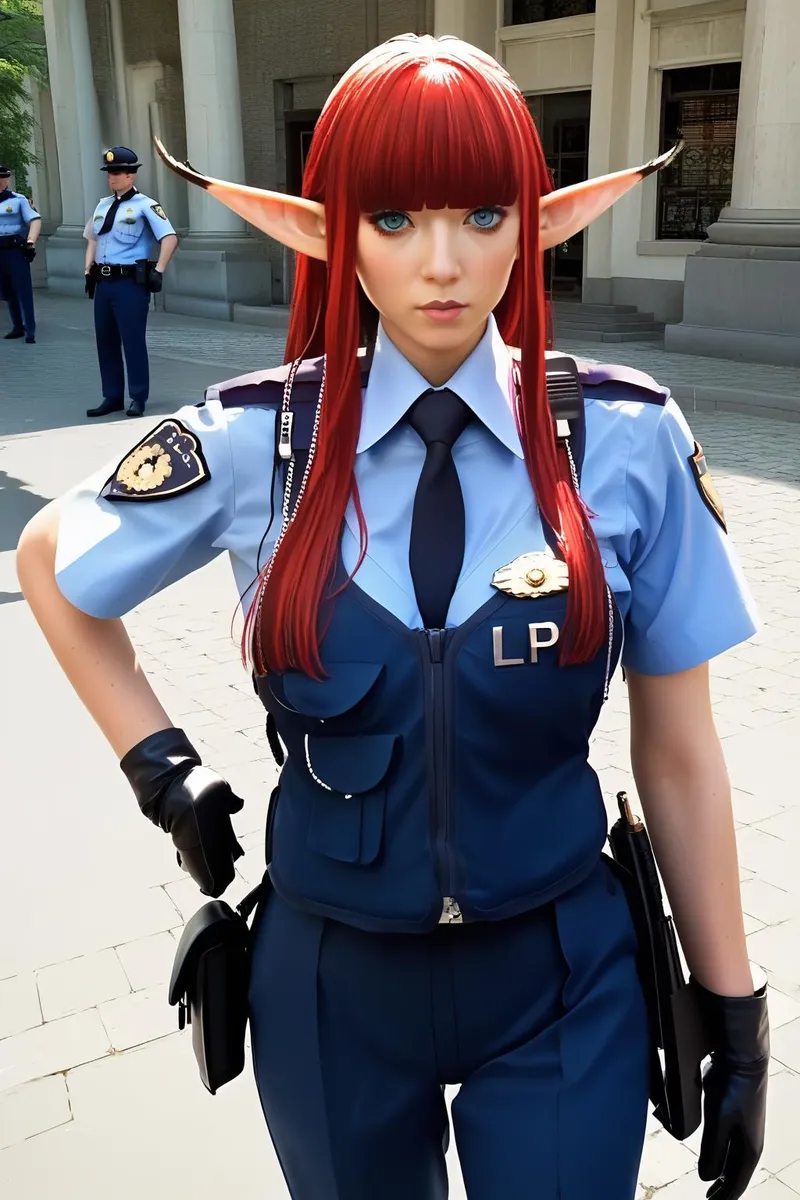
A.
pixel 91 250
pixel 685 795
pixel 34 229
pixel 166 248
pixel 96 655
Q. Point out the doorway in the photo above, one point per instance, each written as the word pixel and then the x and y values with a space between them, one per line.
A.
pixel 299 128
pixel 562 119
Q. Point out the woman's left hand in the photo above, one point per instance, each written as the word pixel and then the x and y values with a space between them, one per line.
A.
pixel 735 1091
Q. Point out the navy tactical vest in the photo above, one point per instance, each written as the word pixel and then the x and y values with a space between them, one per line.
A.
pixel 436 775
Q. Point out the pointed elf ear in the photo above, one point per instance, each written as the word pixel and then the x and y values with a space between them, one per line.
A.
pixel 297 223
pixel 564 213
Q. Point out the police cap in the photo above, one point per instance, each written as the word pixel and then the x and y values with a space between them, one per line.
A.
pixel 5 172
pixel 120 158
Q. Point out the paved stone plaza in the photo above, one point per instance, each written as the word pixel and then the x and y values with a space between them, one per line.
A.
pixel 99 1095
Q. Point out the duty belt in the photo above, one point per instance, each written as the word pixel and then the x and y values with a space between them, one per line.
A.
pixel 11 241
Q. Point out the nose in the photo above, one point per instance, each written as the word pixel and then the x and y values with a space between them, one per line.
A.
pixel 441 263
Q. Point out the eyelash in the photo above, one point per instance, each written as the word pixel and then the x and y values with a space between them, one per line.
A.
pixel 390 212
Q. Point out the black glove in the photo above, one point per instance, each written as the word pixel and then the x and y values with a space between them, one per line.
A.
pixel 188 801
pixel 90 284
pixel 30 251
pixel 155 281
pixel 735 1091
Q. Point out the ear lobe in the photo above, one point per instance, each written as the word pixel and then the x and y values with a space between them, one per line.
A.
pixel 564 213
pixel 292 220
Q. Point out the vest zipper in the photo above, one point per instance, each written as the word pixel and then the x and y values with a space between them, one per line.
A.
pixel 441 780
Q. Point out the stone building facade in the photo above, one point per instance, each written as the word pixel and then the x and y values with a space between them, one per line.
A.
pixel 712 248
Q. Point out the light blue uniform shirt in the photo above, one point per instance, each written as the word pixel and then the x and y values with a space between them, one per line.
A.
pixel 672 567
pixel 16 214
pixel 138 226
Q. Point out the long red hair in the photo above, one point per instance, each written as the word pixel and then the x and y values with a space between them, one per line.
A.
pixel 416 123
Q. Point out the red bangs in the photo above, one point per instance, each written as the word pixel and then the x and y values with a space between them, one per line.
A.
pixel 454 130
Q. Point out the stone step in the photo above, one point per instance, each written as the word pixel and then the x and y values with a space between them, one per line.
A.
pixel 574 334
pixel 617 321
pixel 599 309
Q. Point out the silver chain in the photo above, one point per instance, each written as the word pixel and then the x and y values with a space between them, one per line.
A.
pixel 610 642
pixel 316 778
pixel 287 518
pixel 573 471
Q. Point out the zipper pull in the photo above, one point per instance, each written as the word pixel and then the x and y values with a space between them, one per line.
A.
pixel 451 912
pixel 435 643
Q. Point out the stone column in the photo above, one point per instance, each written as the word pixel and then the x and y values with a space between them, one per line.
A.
pixel 218 265
pixel 740 287
pixel 473 20
pixel 118 65
pixel 77 125
pixel 608 136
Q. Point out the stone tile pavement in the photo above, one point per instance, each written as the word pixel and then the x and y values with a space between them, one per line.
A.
pixel 98 1093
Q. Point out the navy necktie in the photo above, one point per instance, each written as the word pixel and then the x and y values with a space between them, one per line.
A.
pixel 109 217
pixel 436 552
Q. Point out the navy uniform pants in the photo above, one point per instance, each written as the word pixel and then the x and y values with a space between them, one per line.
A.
pixel 16 289
pixel 540 1019
pixel 120 323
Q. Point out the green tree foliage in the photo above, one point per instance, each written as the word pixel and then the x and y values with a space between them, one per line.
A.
pixel 22 54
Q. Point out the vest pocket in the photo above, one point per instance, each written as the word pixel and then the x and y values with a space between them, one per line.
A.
pixel 347 813
pixel 348 684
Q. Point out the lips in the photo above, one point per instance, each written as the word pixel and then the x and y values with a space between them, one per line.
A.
pixel 441 305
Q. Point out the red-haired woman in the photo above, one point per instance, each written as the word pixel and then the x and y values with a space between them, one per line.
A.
pixel 438 582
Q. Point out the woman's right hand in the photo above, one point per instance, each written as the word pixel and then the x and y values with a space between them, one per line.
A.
pixel 190 802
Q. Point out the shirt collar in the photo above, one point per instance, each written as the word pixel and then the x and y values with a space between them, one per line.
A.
pixel 6 194
pixel 482 381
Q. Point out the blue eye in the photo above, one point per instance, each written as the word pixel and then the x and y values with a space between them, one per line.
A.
pixel 390 222
pixel 486 218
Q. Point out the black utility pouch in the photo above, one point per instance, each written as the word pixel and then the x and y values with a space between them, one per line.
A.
pixel 209 984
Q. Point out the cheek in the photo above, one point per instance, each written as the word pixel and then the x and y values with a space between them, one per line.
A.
pixel 380 272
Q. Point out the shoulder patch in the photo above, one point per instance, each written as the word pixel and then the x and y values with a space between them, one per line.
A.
pixel 166 463
pixel 705 485
pixel 158 210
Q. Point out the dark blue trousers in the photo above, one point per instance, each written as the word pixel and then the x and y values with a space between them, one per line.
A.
pixel 540 1019
pixel 120 323
pixel 16 288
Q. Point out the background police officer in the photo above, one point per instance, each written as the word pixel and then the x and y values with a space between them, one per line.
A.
pixel 121 235
pixel 20 226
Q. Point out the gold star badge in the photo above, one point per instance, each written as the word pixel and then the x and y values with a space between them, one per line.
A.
pixel 109 155
pixel 166 463
pixel 705 484
pixel 535 574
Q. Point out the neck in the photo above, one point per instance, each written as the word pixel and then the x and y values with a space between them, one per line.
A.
pixel 436 366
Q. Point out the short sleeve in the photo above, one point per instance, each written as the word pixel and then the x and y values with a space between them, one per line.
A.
pixel 27 211
pixel 689 598
pixel 157 219
pixel 113 554
pixel 88 230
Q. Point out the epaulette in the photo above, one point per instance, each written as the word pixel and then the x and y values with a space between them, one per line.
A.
pixel 607 381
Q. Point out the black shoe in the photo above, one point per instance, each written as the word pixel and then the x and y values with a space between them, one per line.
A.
pixel 30 339
pixel 136 408
pixel 15 333
pixel 106 408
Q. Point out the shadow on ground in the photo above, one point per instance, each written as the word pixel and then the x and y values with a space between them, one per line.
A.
pixel 17 506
